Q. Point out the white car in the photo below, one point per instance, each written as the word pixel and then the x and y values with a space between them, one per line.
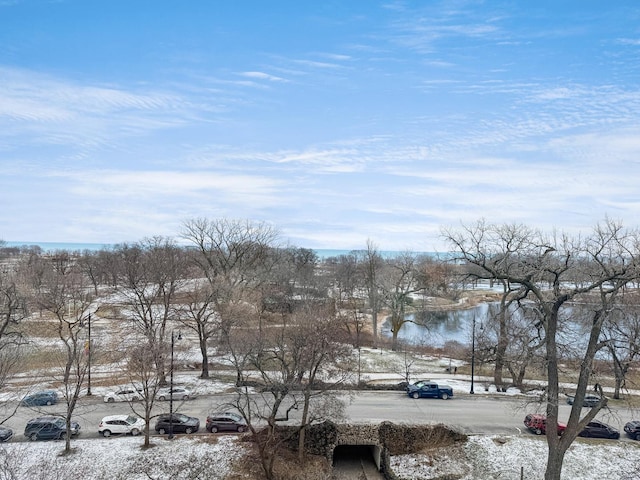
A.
pixel 127 394
pixel 121 424
pixel 178 393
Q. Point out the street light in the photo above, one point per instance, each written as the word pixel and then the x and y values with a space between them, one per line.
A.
pixel 88 352
pixel 173 339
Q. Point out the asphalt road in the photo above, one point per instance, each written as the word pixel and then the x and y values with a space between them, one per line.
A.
pixel 471 414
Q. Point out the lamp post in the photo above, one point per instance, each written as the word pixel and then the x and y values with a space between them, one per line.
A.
pixel 88 353
pixel 473 352
pixel 173 339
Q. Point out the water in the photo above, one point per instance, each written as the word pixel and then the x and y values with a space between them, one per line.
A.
pixel 55 246
pixel 435 328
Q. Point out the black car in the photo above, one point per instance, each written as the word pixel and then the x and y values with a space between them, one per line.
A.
pixel 5 434
pixel 48 428
pixel 178 423
pixel 40 399
pixel 597 429
pixel 226 421
pixel 633 429
pixel 589 400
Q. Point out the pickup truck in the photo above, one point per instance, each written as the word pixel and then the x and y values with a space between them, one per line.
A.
pixel 427 389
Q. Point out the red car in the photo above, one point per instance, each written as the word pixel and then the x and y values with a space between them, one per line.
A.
pixel 537 423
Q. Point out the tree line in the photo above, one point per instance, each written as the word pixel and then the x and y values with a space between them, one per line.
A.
pixel 288 324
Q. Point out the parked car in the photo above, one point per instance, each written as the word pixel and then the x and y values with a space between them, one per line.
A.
pixel 5 434
pixel 598 429
pixel 47 428
pixel 40 399
pixel 226 422
pixel 537 423
pixel 633 429
pixel 429 390
pixel 179 423
pixel 121 424
pixel 589 400
pixel 127 394
pixel 178 393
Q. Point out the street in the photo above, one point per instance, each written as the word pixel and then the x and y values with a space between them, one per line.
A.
pixel 478 414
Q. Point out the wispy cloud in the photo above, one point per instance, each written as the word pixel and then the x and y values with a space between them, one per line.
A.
pixel 263 76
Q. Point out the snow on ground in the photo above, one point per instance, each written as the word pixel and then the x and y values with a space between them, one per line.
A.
pixel 215 457
pixel 123 457
pixel 503 457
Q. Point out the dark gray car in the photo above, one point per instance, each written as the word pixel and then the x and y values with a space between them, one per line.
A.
pixel 49 428
pixel 178 423
pixel 589 400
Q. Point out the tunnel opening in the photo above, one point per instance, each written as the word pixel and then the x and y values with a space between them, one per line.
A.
pixel 357 455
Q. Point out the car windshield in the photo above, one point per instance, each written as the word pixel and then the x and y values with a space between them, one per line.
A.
pixel 131 419
pixel 180 417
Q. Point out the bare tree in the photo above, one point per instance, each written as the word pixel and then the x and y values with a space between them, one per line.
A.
pixel 67 296
pixel 143 374
pixel 236 258
pixel 622 331
pixel 13 309
pixel 552 271
pixel 295 366
pixel 397 284
pixel 196 311
pixel 150 276
pixel 372 264
pixel 319 361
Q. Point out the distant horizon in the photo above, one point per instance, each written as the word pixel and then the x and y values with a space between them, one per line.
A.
pixel 79 246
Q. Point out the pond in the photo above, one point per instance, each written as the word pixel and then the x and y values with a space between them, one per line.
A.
pixel 435 328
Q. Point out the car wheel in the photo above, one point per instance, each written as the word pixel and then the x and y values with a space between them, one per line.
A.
pixel 49 403
pixel 445 396
pixel 106 433
pixel 213 429
pixel 241 429
pixel 537 431
pixel 134 399
pixel 33 437
pixel 135 432
pixel 162 398
pixel 110 400
pixel 188 430
pixel 636 436
pixel 162 431
pixel 415 395
pixel 185 397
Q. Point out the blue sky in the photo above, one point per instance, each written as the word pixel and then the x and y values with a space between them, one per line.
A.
pixel 335 121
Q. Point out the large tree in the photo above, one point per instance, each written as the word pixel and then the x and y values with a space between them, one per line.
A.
pixel 67 295
pixel 554 270
pixel 150 274
pixel 397 284
pixel 236 257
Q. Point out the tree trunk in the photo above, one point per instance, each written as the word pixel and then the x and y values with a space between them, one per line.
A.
pixel 205 359
pixel 374 320
pixel 303 428
pixel 555 458
pixel 501 348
